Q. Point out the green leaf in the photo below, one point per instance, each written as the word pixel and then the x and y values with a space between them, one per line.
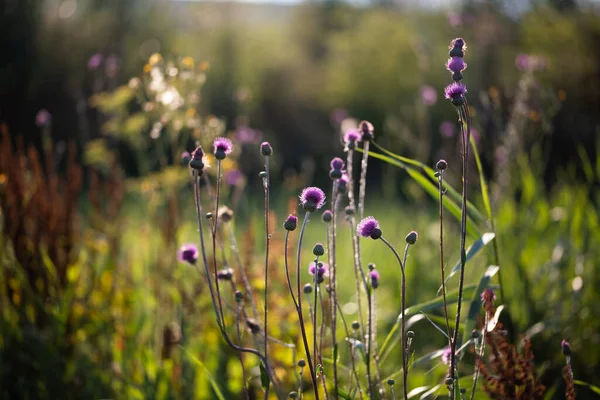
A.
pixel 264 377
pixel 211 380
pixel 484 188
pixel 593 388
pixel 344 395
pixel 475 306
pixel 471 252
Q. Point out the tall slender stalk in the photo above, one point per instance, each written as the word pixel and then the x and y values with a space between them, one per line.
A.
pixel 403 327
pixel 442 265
pixel 266 185
pixel 333 291
pixel 239 335
pixel 322 325
pixel 313 375
pixel 314 314
pixel 352 360
pixel 465 129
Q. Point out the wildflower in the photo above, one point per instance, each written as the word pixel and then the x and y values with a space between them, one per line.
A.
pixel 488 295
pixel 456 64
pixel 43 118
pixel 374 276
pixel 222 147
pixel 343 183
pixel 94 61
pixel 412 237
pixel 318 250
pixel 225 274
pixel 327 216
pixel 351 137
pixel 225 214
pixel 312 198
pixel 566 348
pixel 369 227
pixel 185 157
pixel 266 149
pixel 188 253
pixel 197 161
pixel 337 163
pixel 367 131
pixel 291 223
pixel 441 165
pixel 455 92
pixel 446 355
pixel 428 95
pixel 321 269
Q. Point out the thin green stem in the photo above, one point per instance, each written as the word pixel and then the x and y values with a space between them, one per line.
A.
pixel 266 185
pixel 442 265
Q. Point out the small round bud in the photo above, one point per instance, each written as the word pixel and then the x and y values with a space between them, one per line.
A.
pixel 410 334
pixel 463 390
pixel 441 165
pixel 566 348
pixel 349 210
pixel 448 381
pixel 262 174
pixel 220 154
pixel 301 363
pixel 391 382
pixel 197 156
pixel 225 274
pixel 376 234
pixel 412 237
pixel 253 326
pixel 335 173
pixel 185 158
pixel 355 325
pixel 436 174
pixel 208 215
pixel 367 130
pixel 371 266
pixel 457 76
pixel 458 101
pixel 225 214
pixel 266 149
pixel 318 250
pixel 293 395
pixel 475 334
pixel 327 216
pixel 308 288
pixel 239 296
pixel 291 223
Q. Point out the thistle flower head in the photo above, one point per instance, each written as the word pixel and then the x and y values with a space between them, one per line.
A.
pixel 369 227
pixel 351 135
pixel 291 223
pixel 327 216
pixel 374 276
pixel 367 131
pixel 412 237
pixel 197 161
pixel 455 92
pixel 312 198
pixel 337 163
pixel 488 296
pixel 566 348
pixel 456 64
pixel 321 269
pixel 458 47
pixel 222 147
pixel 266 149
pixel 185 157
pixel 446 355
pixel 318 250
pixel 188 253
pixel 225 274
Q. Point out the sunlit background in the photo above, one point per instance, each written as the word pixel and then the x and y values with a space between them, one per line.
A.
pixel 100 98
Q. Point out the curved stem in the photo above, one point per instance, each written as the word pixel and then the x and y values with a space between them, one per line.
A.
pixel 403 328
pixel 287 270
pixel 313 375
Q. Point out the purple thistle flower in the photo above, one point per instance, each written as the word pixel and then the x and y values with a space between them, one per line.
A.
pixel 488 295
pixel 456 64
pixel 367 130
pixel 188 253
pixel 455 92
pixel 186 157
pixel 222 147
pixel 322 270
pixel 522 61
pixel 312 198
pixel 351 135
pixel 197 161
pixel 266 149
pixel 374 276
pixel 246 134
pixel 234 177
pixel 343 183
pixel 428 95
pixel 337 163
pixel 43 118
pixel 291 223
pixel 566 348
pixel 369 227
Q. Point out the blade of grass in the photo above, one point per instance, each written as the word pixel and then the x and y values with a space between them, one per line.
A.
pixel 471 252
pixel 212 381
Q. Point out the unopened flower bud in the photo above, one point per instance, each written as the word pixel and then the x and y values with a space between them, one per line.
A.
pixel 412 237
pixel 318 250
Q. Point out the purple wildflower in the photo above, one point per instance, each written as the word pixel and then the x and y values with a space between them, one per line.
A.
pixel 186 157
pixel 266 149
pixel 351 135
pixel 488 295
pixel 458 43
pixel 522 61
pixel 455 92
pixel 374 276
pixel 456 64
pixel 246 134
pixel 369 227
pixel 222 147
pixel 188 253
pixel 312 198
pixel 339 115
pixel 43 118
pixel 291 223
pixel 197 162
pixel 322 270
pixel 428 95
pixel 447 129
pixel 367 130
pixel 446 355
pixel 94 61
pixel 337 163
pixel 566 348
pixel 234 177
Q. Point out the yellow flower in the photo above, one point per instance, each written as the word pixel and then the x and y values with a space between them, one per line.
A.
pixel 154 59
pixel 188 62
pixel 203 66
